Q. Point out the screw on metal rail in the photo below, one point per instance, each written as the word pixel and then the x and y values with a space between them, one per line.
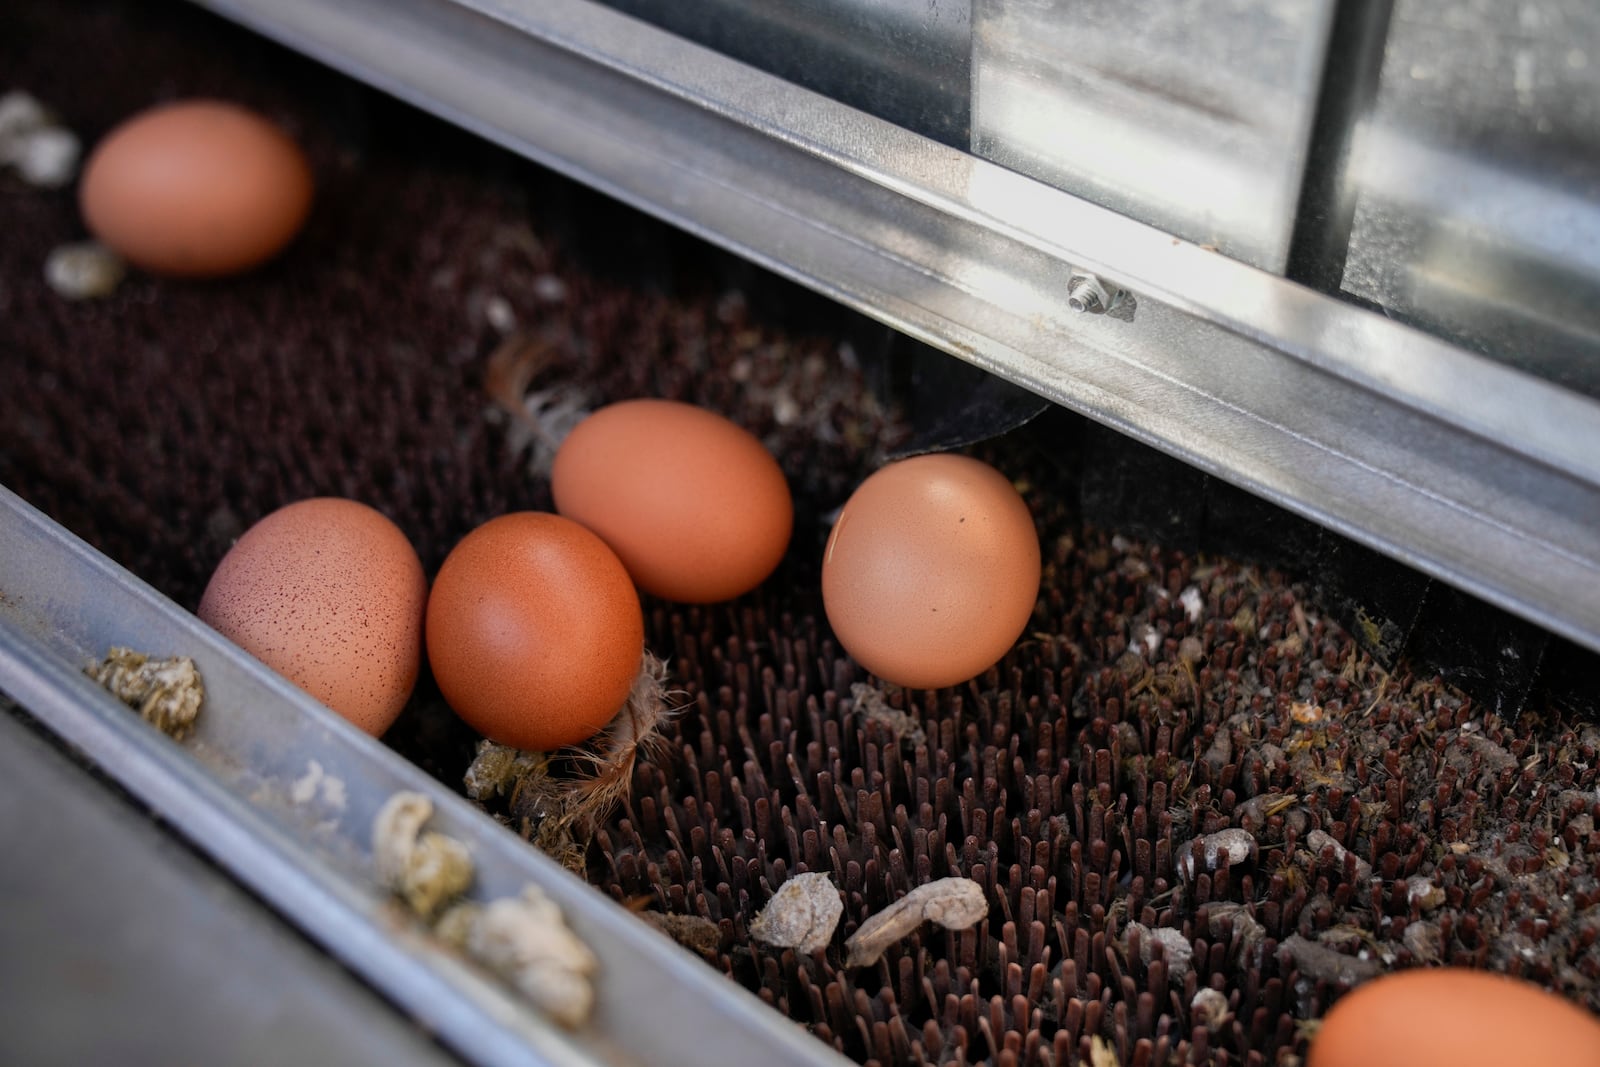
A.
pixel 1087 293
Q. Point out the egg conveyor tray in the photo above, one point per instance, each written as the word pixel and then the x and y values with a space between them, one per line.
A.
pixel 230 789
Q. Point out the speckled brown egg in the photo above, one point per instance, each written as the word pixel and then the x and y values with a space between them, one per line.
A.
pixel 1454 1017
pixel 535 634
pixel 196 188
pixel 932 571
pixel 693 504
pixel 330 594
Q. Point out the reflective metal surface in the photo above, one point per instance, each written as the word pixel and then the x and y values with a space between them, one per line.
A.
pixel 1190 115
pixel 1327 208
pixel 1477 181
pixel 230 789
pixel 905 61
pixel 1477 475
pixel 118 945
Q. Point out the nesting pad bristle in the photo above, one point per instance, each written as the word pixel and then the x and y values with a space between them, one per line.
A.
pixel 1197 811
pixel 1391 823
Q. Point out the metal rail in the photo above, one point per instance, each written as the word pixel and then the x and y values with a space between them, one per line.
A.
pixel 1479 475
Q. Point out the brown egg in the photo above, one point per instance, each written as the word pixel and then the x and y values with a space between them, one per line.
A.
pixel 329 594
pixel 696 508
pixel 198 188
pixel 1453 1017
pixel 535 634
pixel 932 571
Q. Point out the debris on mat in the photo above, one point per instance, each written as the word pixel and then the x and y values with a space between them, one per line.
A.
pixel 953 903
pixel 695 933
pixel 83 270
pixel 43 152
pixel 556 800
pixel 802 914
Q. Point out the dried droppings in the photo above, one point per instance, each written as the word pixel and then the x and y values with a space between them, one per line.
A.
pixel 496 769
pixel 166 692
pixel 1220 754
pixel 1421 891
pixel 425 869
pixel 84 270
pixel 526 941
pixel 868 701
pixel 802 914
pixel 1272 756
pixel 454 925
pixel 304 789
pixel 317 782
pixel 953 903
pixel 1261 808
pixel 1225 848
pixel 1321 963
pixel 1350 939
pixel 1210 1009
pixel 20 113
pixel 1320 841
pixel 1495 757
pixel 694 932
pixel 1248 933
pixel 43 153
pixel 1424 940
pixel 47 157
pixel 1179 952
pixel 395 830
pixel 1132 666
pixel 440 868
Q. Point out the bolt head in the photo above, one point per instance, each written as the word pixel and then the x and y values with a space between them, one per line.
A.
pixel 1086 294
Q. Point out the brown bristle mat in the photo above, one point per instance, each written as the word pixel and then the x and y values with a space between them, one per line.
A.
pixel 1157 697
